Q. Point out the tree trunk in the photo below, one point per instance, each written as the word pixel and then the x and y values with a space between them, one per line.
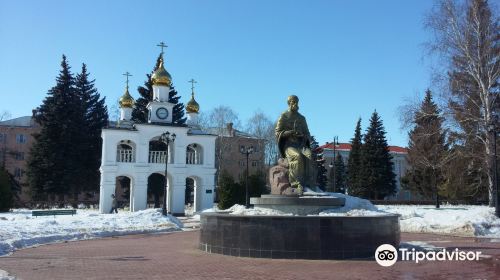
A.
pixel 491 163
pixel 436 188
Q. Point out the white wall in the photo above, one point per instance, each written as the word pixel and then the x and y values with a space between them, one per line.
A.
pixel 139 170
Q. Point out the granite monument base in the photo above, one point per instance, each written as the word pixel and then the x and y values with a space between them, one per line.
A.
pixel 297 205
pixel 297 237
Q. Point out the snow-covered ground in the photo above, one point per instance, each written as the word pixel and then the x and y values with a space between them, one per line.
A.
pixel 18 229
pixel 460 220
pixel 463 220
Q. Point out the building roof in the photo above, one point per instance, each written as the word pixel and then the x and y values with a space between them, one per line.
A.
pixel 25 121
pixel 347 147
pixel 225 132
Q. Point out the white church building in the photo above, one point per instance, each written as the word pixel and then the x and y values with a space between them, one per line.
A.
pixel 135 151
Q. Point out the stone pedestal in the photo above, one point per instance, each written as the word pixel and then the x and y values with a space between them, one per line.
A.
pixel 303 205
pixel 297 237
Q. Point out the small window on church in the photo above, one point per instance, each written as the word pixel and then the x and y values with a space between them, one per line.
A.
pixel 3 138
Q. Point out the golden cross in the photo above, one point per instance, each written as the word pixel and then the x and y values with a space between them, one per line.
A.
pixel 127 74
pixel 192 81
pixel 162 45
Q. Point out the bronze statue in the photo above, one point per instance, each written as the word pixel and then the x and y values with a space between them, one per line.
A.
pixel 293 139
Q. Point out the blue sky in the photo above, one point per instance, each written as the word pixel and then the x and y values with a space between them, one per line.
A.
pixel 344 59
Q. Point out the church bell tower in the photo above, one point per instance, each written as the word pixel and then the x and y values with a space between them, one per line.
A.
pixel 160 109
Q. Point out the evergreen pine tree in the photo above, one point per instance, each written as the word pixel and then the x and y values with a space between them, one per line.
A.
pixel 95 115
pixel 340 174
pixel 178 109
pixel 140 112
pixel 318 162
pixel 54 165
pixel 256 185
pixel 354 185
pixel 427 151
pixel 229 192
pixel 6 194
pixel 377 174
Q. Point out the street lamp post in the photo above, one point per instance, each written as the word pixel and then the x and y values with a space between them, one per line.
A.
pixel 246 152
pixel 492 127
pixel 166 138
pixel 332 174
pixel 335 143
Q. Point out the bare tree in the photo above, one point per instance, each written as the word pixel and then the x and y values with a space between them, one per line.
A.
pixel 114 112
pixel 219 117
pixel 217 121
pixel 261 126
pixel 466 36
pixel 4 115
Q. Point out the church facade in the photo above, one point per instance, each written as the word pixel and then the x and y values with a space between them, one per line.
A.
pixel 138 154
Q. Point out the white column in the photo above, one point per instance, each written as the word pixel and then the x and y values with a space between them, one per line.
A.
pixel 207 199
pixel 192 118
pixel 160 93
pixel 140 192
pixel 179 155
pixel 107 188
pixel 178 193
pixel 125 114
pixel 142 152
pixel 108 149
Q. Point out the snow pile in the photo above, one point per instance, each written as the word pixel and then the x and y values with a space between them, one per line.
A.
pixel 354 206
pixel 464 220
pixel 241 210
pixel 238 209
pixel 18 229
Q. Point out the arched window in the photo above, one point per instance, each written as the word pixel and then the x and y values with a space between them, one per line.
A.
pixel 194 154
pixel 158 151
pixel 125 151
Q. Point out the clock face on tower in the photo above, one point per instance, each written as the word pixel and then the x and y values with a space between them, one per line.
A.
pixel 162 113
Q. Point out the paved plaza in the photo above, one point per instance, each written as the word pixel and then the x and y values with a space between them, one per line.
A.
pixel 175 256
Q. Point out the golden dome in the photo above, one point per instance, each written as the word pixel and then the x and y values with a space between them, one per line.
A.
pixel 192 106
pixel 160 76
pixel 126 101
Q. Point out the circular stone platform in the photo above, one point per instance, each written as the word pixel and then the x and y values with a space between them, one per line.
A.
pixel 297 237
pixel 297 205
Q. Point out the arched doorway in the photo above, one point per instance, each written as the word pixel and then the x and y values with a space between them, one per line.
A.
pixel 189 197
pixel 156 190
pixel 192 198
pixel 122 191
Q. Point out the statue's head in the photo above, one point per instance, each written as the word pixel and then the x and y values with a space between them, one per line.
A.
pixel 293 103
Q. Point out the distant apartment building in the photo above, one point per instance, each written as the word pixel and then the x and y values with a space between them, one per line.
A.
pixel 15 143
pixel 229 144
pixel 398 158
